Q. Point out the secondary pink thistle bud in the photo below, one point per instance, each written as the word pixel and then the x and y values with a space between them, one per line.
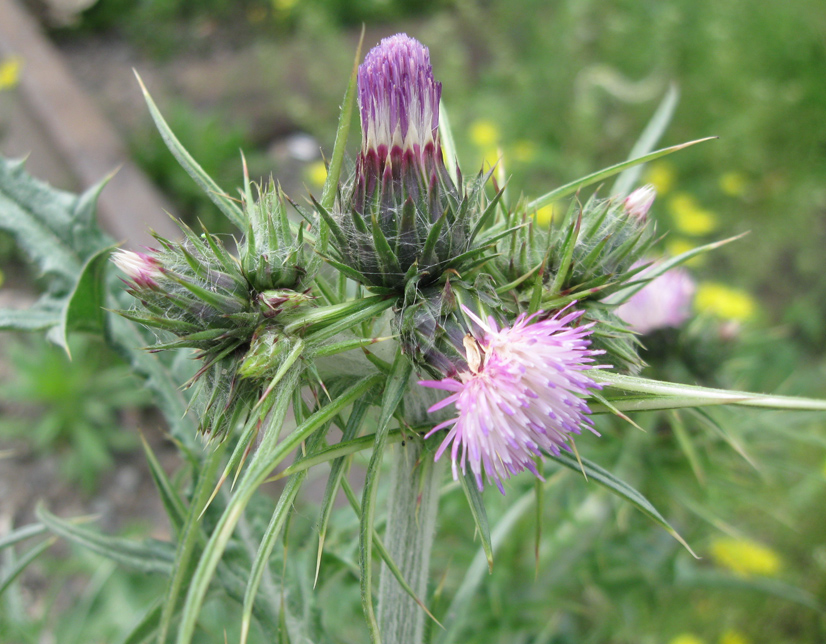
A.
pixel 639 202
pixel 664 302
pixel 520 396
pixel 141 268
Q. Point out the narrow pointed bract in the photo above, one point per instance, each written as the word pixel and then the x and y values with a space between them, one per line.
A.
pixel 520 395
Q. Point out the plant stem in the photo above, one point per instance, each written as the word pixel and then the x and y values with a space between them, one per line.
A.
pixel 411 525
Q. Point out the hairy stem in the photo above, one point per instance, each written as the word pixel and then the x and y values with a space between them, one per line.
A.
pixel 411 525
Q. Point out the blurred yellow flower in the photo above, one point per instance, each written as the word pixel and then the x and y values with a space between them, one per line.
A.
pixel 662 176
pixel 545 215
pixel 524 151
pixel 745 557
pixel 686 638
pixel 10 72
pixel 734 184
pixel 731 636
pixel 724 302
pixel 484 134
pixel 677 246
pixel 689 217
pixel 283 6
pixel 316 173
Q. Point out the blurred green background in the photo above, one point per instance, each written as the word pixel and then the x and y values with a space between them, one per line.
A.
pixel 559 89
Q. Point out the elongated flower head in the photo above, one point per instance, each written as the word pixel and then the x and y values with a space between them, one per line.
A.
pixel 402 216
pixel 398 98
pixel 520 396
pixel 664 302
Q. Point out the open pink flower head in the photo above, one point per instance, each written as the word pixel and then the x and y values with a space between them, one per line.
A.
pixel 520 395
pixel 664 302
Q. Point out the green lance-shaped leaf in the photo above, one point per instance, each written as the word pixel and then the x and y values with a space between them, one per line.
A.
pixel 648 139
pixel 190 537
pixel 458 609
pixel 58 232
pixel 338 469
pixel 393 393
pixel 267 458
pixel 328 194
pixel 480 517
pixel 670 395
pixel 24 562
pixel 147 556
pixel 616 486
pixel 21 534
pixel 658 269
pixel 265 548
pixel 596 177
pixel 84 306
pixel 218 196
pixel 145 628
pixel 172 503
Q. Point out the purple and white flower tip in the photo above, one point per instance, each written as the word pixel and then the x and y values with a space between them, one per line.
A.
pixel 639 202
pixel 664 302
pixel 141 268
pixel 520 396
pixel 398 98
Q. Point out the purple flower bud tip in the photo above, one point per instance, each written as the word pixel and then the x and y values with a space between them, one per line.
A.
pixel 664 302
pixel 142 269
pixel 520 395
pixel 398 97
pixel 639 202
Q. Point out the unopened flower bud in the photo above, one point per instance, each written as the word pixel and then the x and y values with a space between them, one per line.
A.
pixel 639 202
pixel 141 268
pixel 401 190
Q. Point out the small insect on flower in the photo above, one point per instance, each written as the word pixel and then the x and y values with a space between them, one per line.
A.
pixel 520 396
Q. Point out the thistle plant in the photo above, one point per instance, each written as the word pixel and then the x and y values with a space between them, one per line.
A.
pixel 401 281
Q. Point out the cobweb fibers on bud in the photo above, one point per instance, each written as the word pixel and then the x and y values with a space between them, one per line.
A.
pixel 521 394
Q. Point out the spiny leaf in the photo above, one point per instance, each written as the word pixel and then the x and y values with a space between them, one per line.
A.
pixel 218 196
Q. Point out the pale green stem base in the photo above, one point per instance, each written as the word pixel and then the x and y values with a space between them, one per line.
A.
pixel 411 525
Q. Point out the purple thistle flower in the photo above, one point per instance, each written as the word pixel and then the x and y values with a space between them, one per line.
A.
pixel 664 302
pixel 141 268
pixel 398 98
pixel 520 396
pixel 401 155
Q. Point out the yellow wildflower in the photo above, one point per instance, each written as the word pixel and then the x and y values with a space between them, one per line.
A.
pixel 686 638
pixel 662 176
pixel 689 217
pixel 484 134
pixel 10 72
pixel 545 215
pixel 283 6
pixel 524 151
pixel 734 184
pixel 745 557
pixel 731 636
pixel 316 173
pixel 724 302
